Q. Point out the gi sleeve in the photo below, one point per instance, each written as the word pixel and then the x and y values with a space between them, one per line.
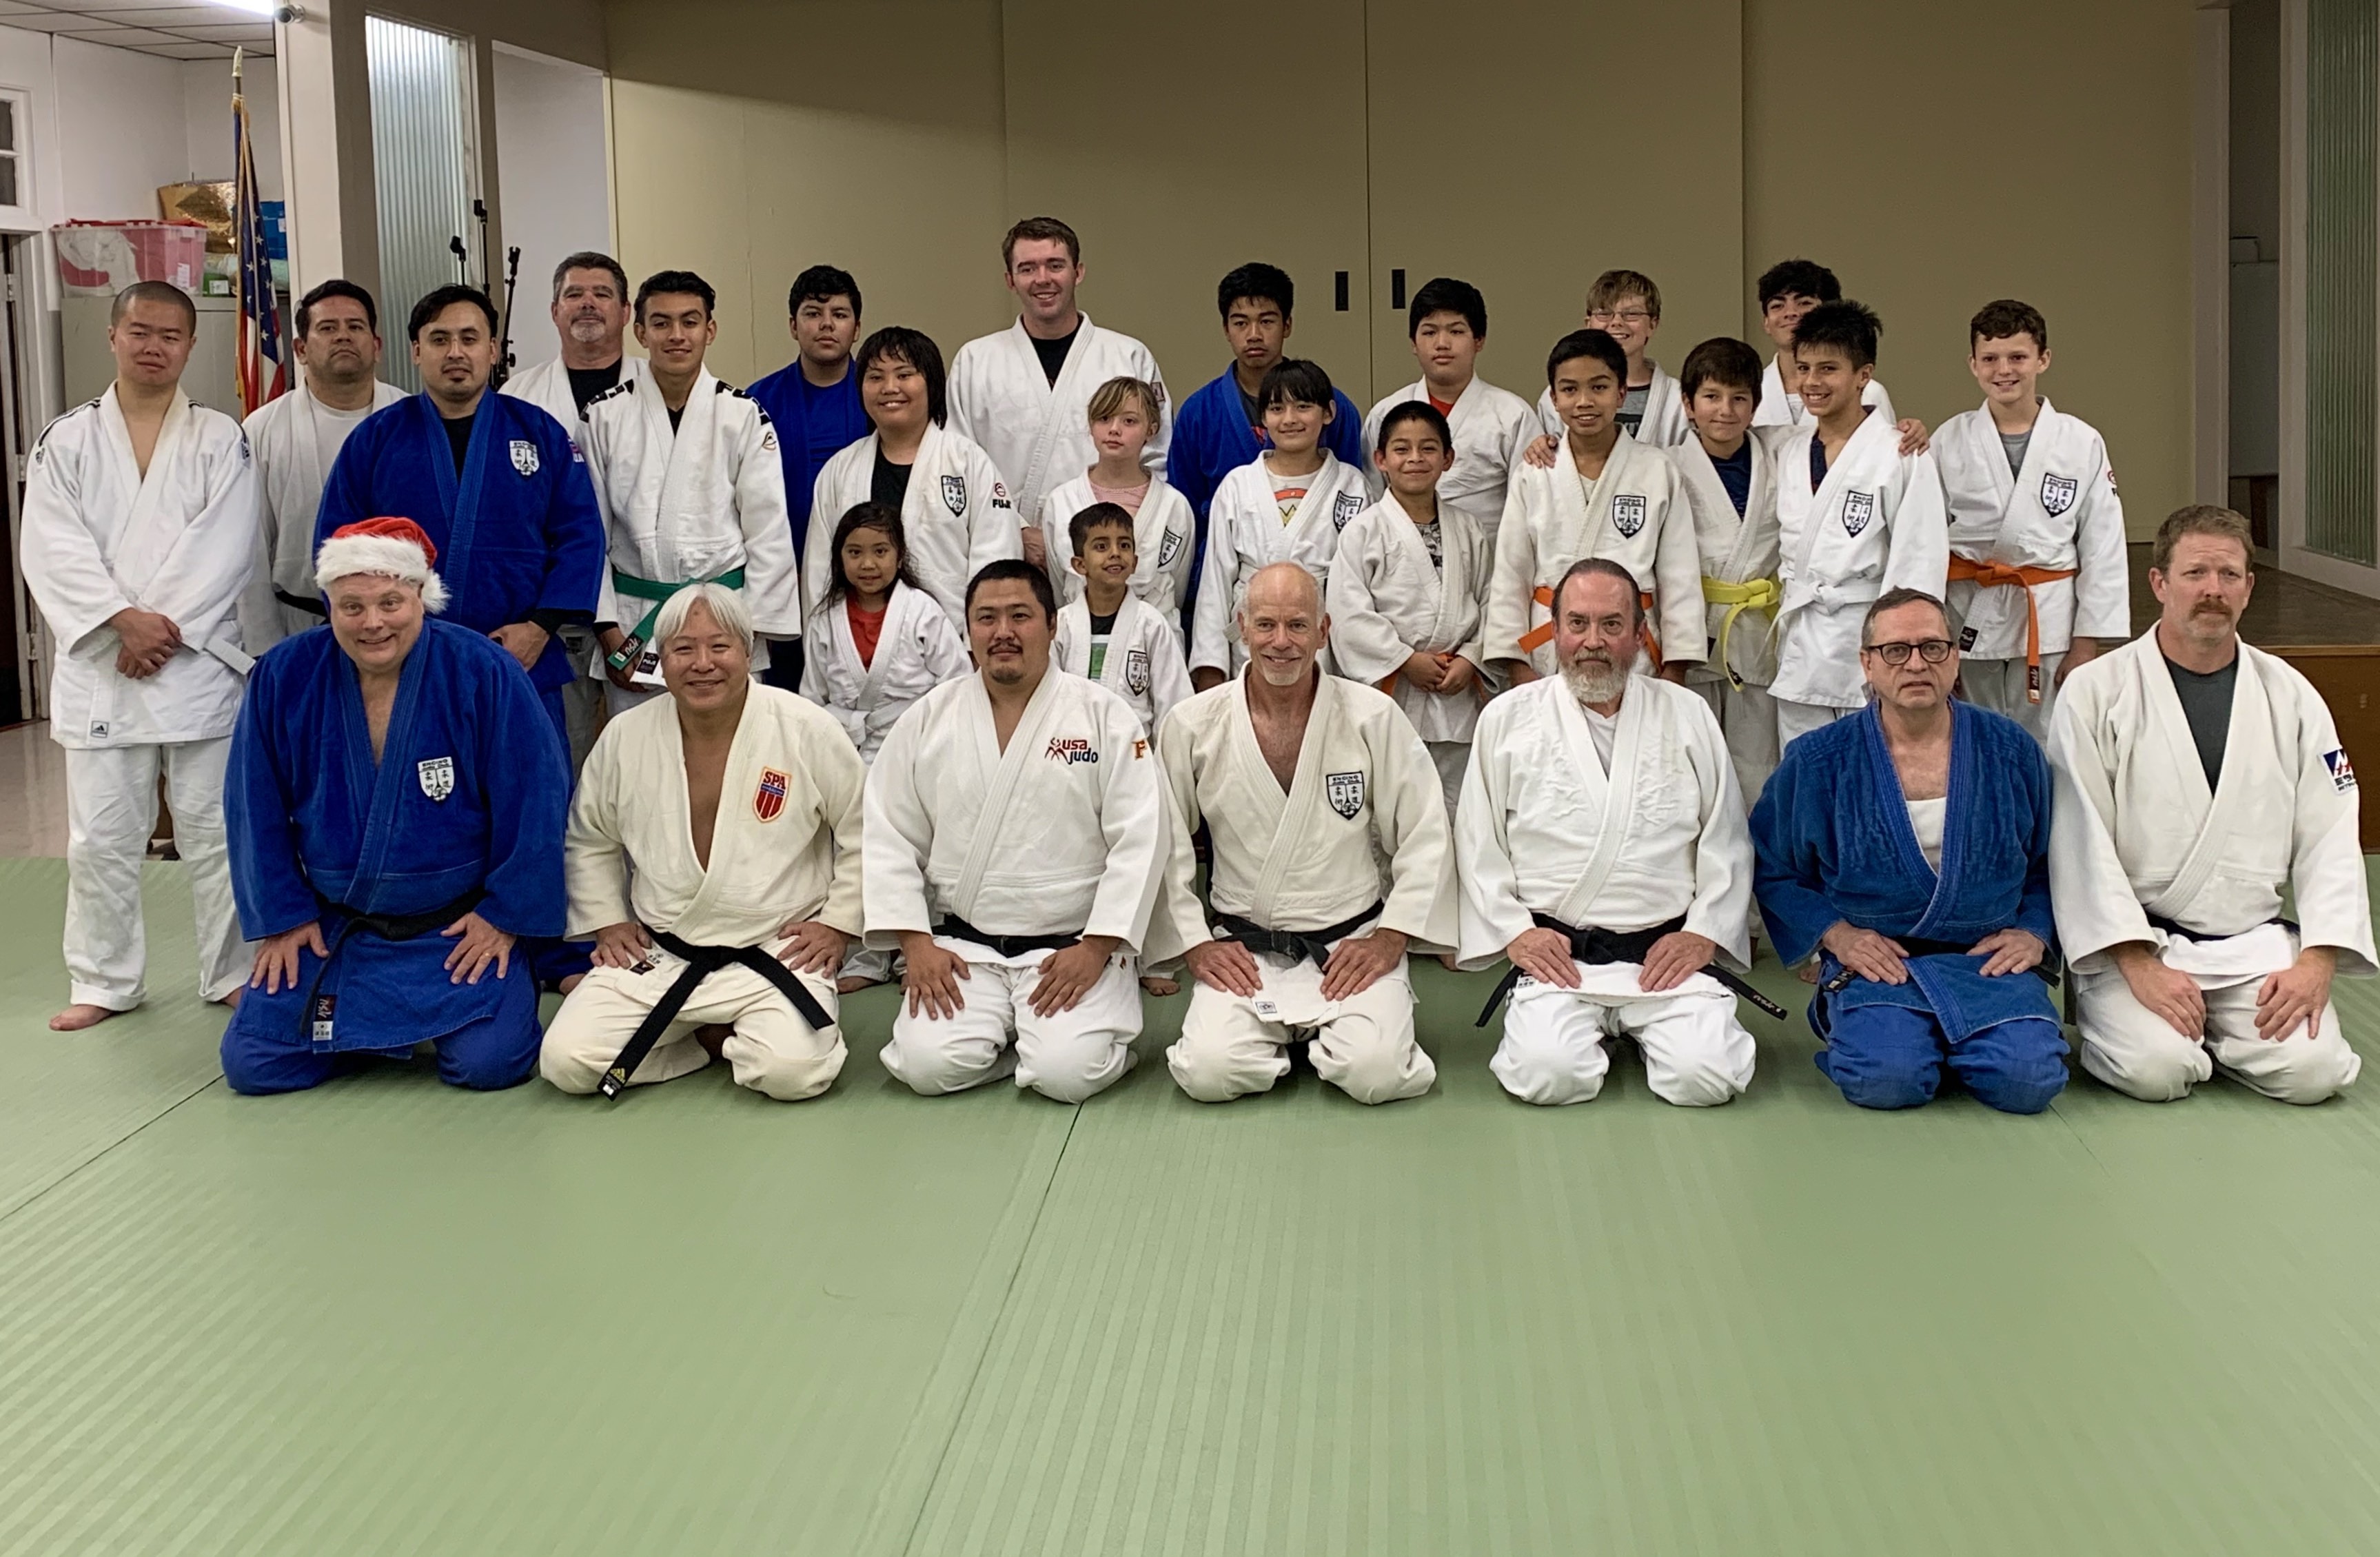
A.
pixel 1415 835
pixel 1131 817
pixel 575 544
pixel 1169 676
pixel 1153 455
pixel 2034 909
pixel 1919 557
pixel 1505 615
pixel 994 535
pixel 346 491
pixel 1179 920
pixel 268 879
pixel 1788 871
pixel 2334 901
pixel 1491 914
pixel 772 578
pixel 64 568
pixel 1364 640
pixel 528 803
pixel 205 574
pixel 594 858
pixel 1684 625
pixel 1211 619
pixel 2103 585
pixel 2090 891
pixel 1721 907
pixel 896 837
pixel 841 781
pixel 1186 470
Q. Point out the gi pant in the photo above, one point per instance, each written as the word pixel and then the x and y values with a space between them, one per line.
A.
pixel 1999 685
pixel 1068 1056
pixel 1891 1056
pixel 1232 1045
pixel 1800 719
pixel 1696 1054
pixel 1452 759
pixel 1747 718
pixel 770 1047
pixel 2135 1050
pixel 267 1046
pixel 111 807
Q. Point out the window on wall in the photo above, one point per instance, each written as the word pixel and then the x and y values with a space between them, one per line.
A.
pixel 423 166
pixel 2342 317
pixel 16 183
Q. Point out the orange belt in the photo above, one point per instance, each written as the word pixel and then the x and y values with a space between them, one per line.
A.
pixel 1537 638
pixel 1993 574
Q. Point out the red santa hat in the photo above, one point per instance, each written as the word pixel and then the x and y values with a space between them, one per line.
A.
pixel 385 548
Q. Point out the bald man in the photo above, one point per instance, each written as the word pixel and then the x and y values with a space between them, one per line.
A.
pixel 1333 855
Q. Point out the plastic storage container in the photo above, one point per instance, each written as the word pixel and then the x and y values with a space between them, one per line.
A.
pixel 106 257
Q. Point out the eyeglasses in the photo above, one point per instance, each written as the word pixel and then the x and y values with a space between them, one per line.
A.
pixel 1934 650
pixel 1620 316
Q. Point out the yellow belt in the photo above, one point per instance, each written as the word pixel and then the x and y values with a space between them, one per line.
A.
pixel 1753 594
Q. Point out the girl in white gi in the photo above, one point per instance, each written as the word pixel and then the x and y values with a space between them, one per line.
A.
pixel 1124 414
pixel 1287 505
pixel 877 644
pixel 1109 635
pixel 953 504
pixel 1408 591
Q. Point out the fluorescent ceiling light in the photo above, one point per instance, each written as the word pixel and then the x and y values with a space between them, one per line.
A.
pixel 253 7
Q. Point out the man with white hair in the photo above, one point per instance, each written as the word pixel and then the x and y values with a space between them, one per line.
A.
pixel 1013 842
pixel 1331 859
pixel 394 838
pixel 1601 848
pixel 138 536
pixel 713 859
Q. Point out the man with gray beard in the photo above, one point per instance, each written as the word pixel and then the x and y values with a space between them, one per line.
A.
pixel 1600 846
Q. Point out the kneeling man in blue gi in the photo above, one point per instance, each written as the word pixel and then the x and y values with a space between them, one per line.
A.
pixel 395 804
pixel 1908 848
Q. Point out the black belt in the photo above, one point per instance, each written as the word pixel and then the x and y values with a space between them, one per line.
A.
pixel 958 929
pixel 1298 945
pixel 701 962
pixel 2049 969
pixel 313 607
pixel 2158 922
pixel 1594 946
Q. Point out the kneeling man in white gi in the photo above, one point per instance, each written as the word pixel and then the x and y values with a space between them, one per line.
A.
pixel 1015 834
pixel 1601 843
pixel 2195 778
pixel 1330 858
pixel 713 857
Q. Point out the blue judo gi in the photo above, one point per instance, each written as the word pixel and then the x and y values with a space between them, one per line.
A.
pixel 464 812
pixel 813 426
pixel 519 538
pixel 1832 835
pixel 1212 438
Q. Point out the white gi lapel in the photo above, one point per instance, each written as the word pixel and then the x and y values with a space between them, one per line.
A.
pixel 1006 769
pixel 685 528
pixel 1608 793
pixel 1061 404
pixel 1298 804
pixel 151 529
pixel 2251 722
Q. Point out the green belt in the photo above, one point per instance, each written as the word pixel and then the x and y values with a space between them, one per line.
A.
pixel 658 593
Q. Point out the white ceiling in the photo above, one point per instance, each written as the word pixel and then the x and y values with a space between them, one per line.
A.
pixel 145 26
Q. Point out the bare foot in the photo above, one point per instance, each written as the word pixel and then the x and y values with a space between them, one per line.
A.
pixel 1807 972
pixel 1446 960
pixel 1157 984
pixel 714 1036
pixel 231 1001
pixel 74 1018
pixel 570 983
pixel 850 985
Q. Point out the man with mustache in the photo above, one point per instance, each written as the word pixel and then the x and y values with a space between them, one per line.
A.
pixel 1330 861
pixel 1601 848
pixel 295 439
pixel 2197 777
pixel 1013 845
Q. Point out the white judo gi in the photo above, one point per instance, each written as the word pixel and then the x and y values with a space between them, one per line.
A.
pixel 1665 421
pixel 1492 427
pixel 955 513
pixel 688 502
pixel 1876 523
pixel 1633 514
pixel 2137 833
pixel 785 847
pixel 1039 432
pixel 1549 826
pixel 1164 539
pixel 99 537
pixel 1361 835
pixel 2060 514
pixel 1245 534
pixel 1143 665
pixel 293 440
pixel 1777 408
pixel 1388 602
pixel 916 651
pixel 1061 834
pixel 547 386
pixel 1740 592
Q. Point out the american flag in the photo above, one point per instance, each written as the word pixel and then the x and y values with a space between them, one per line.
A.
pixel 264 357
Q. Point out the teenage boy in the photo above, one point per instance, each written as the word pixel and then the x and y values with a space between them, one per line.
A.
pixel 814 399
pixel 1626 306
pixel 1287 505
pixel 1729 472
pixel 1856 517
pixel 1491 427
pixel 2037 562
pixel 1107 633
pixel 1788 289
pixel 1407 587
pixel 1605 495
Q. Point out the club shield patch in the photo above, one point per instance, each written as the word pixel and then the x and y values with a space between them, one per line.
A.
pixel 768 799
pixel 437 776
pixel 2058 495
pixel 1136 672
pixel 1169 548
pixel 1628 514
pixel 1346 793
pixel 1345 506
pixel 2342 772
pixel 1859 511
pixel 954 495
pixel 524 457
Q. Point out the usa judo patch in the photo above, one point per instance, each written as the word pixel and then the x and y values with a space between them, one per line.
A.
pixel 2058 495
pixel 769 799
pixel 437 776
pixel 2342 772
pixel 1345 506
pixel 1628 514
pixel 524 457
pixel 954 495
pixel 1346 793
pixel 1135 671
pixel 1859 509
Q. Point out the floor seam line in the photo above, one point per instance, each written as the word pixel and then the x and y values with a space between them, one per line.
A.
pixel 992 1335
pixel 72 1173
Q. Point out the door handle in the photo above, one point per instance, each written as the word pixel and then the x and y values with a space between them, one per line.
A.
pixel 1397 290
